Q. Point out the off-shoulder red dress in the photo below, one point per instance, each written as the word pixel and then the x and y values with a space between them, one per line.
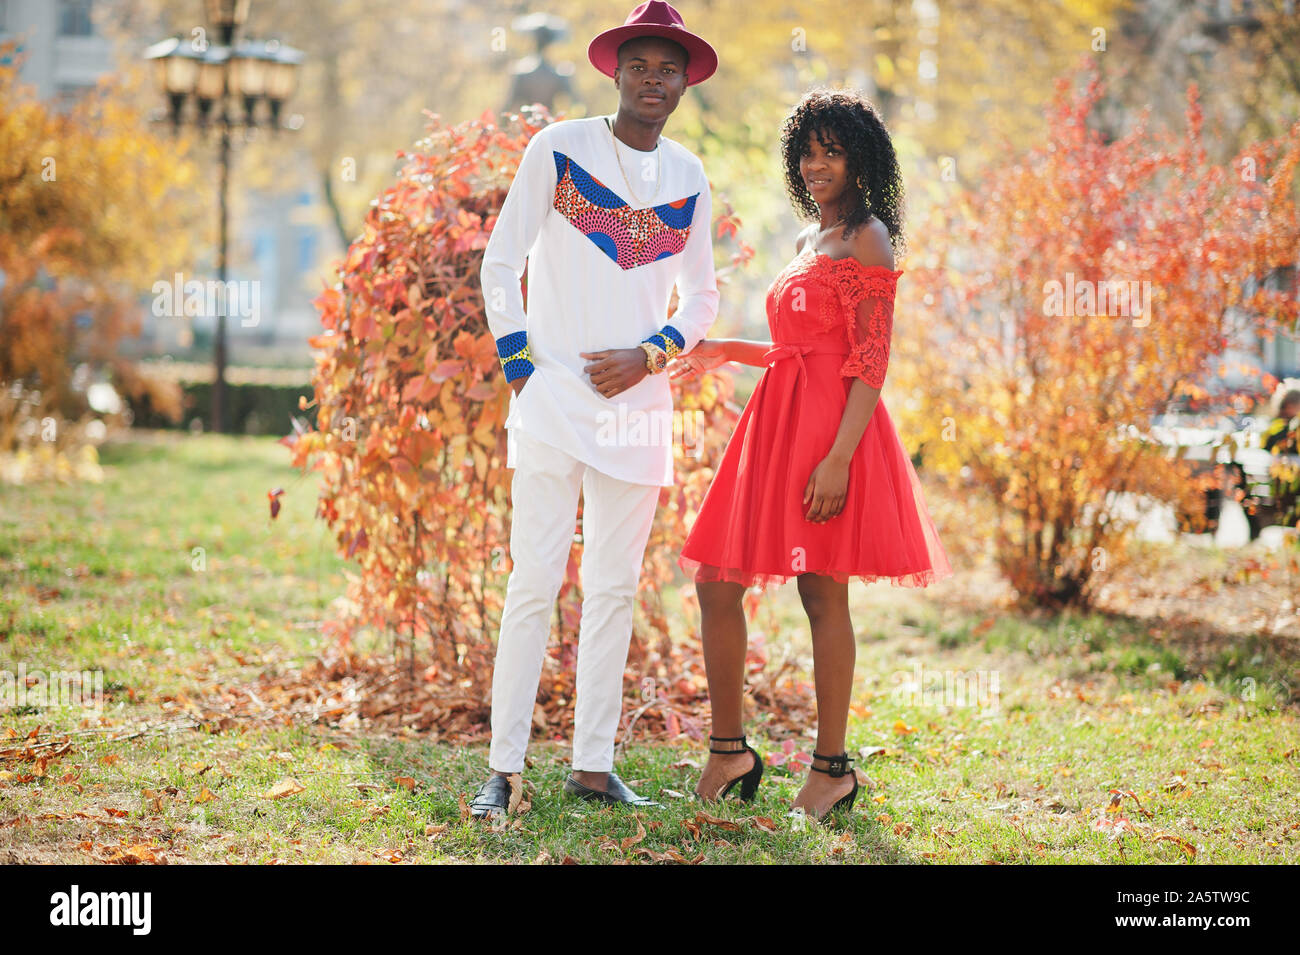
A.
pixel 751 527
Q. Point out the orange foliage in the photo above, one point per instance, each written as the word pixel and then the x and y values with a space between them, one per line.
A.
pixel 90 209
pixel 1048 407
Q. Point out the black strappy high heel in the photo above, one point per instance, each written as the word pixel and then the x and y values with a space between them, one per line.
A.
pixel 749 781
pixel 838 766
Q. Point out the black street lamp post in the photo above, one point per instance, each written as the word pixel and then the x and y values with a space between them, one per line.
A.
pixel 225 84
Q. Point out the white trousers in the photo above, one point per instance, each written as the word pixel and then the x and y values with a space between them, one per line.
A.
pixel 616 521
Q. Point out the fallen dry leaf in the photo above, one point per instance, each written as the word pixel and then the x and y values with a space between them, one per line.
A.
pixel 285 787
pixel 672 855
pixel 630 841
pixel 704 817
pixel 1176 840
pixel 517 804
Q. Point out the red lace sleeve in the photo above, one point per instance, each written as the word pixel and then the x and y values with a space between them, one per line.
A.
pixel 867 296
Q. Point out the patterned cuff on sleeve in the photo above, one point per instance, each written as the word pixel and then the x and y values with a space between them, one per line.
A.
pixel 669 339
pixel 516 359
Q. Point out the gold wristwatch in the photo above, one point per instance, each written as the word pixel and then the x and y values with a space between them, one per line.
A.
pixel 656 359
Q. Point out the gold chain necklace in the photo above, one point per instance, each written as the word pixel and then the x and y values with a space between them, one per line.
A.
pixel 613 139
pixel 834 224
pixel 820 232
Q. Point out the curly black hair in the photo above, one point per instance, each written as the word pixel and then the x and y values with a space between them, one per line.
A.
pixel 872 163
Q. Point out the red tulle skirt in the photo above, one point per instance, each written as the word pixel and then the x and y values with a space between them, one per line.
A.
pixel 751 527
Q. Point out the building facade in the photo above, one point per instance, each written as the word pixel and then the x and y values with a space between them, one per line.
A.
pixel 62 52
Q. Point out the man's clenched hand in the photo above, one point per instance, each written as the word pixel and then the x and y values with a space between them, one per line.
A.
pixel 615 370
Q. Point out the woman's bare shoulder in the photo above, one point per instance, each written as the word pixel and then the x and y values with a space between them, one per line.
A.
pixel 872 245
pixel 802 238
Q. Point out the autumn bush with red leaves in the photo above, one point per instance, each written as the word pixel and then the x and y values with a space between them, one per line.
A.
pixel 1051 412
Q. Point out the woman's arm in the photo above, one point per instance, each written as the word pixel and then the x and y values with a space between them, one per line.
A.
pixel 827 486
pixel 858 409
pixel 743 351
pixel 747 351
pixel 710 353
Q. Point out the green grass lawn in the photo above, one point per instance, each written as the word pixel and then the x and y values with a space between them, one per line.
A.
pixel 102 577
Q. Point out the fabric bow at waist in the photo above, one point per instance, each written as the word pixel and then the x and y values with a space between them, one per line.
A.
pixel 797 350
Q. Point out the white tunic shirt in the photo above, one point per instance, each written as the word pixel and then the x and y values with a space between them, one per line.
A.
pixel 601 269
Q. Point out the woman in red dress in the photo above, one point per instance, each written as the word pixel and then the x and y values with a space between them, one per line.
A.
pixel 815 483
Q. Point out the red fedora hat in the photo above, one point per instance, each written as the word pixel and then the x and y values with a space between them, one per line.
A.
pixel 654 18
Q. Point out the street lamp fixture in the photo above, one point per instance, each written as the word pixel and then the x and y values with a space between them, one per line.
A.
pixel 252 73
pixel 227 16
pixel 224 85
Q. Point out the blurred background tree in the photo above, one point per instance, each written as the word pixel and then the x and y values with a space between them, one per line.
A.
pixel 92 209
pixel 961 84
pixel 955 84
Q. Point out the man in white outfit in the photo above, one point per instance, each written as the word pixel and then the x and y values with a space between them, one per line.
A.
pixel 609 216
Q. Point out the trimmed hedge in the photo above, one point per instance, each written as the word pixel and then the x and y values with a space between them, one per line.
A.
pixel 250 409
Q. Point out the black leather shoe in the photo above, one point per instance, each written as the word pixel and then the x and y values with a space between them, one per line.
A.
pixel 492 799
pixel 618 793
